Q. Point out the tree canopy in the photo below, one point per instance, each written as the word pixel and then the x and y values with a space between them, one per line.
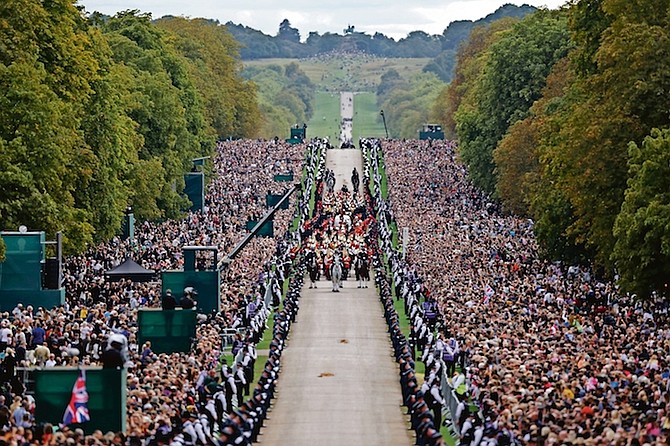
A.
pixel 570 128
pixel 98 113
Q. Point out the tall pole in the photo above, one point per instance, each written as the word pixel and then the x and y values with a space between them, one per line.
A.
pixel 384 120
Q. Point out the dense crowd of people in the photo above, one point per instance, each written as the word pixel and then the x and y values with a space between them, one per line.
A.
pixel 550 353
pixel 167 393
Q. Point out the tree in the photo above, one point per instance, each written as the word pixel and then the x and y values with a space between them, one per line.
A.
pixel 406 109
pixel 47 67
pixel 619 100
pixel 212 56
pixel 517 156
pixel 285 94
pixel 642 228
pixel 167 108
pixel 286 32
pixel 471 59
pixel 512 80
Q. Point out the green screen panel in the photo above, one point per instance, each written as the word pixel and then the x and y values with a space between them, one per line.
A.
pixel 106 397
pixel 206 283
pixel 195 190
pixel 168 330
pixel 283 177
pixel 42 298
pixel 22 268
pixel 267 230
pixel 271 200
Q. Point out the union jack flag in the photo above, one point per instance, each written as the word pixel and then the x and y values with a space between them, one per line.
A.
pixel 77 410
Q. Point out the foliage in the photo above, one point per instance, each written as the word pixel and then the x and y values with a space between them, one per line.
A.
pixel 512 78
pixel 212 56
pixel 516 157
pixel 620 100
pixel 286 96
pixel 471 60
pixel 389 81
pixel 588 21
pixel 167 108
pixel 98 114
pixel 286 44
pixel 407 107
pixel 642 228
pixel 288 33
pixel 443 65
pixel 458 32
pixel 46 71
pixel 586 155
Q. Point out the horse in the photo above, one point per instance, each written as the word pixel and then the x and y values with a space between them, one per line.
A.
pixel 312 268
pixel 336 273
pixel 362 269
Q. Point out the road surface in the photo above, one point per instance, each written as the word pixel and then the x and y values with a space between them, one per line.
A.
pixel 339 383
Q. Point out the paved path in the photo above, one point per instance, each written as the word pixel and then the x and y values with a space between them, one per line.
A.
pixel 346 117
pixel 339 383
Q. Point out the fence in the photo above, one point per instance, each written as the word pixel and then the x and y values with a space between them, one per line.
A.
pixel 451 400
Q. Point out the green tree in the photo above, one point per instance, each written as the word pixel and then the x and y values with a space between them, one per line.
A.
pixel 47 67
pixel 471 60
pixel 642 228
pixel 114 141
pixel 620 100
pixel 408 108
pixel 167 108
pixel 212 56
pixel 286 32
pixel 286 96
pixel 514 76
pixel 517 157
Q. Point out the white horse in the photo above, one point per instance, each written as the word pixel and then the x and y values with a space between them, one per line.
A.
pixel 336 273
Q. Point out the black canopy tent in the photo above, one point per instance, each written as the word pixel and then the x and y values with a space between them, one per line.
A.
pixel 130 270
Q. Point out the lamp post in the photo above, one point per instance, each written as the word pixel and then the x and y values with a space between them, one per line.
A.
pixel 384 120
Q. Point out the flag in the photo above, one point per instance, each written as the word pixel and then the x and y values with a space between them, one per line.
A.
pixel 77 410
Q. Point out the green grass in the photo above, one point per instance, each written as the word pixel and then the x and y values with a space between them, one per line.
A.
pixel 358 73
pixel 326 119
pixel 259 365
pixel 367 120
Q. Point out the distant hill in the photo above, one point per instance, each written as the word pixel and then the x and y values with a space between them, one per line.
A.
pixel 444 63
pixel 417 44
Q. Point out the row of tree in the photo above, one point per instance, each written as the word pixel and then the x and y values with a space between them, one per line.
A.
pixel 287 42
pixel 285 96
pixel 407 102
pixel 563 115
pixel 100 113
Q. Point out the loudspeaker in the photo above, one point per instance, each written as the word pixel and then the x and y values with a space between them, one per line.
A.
pixel 51 274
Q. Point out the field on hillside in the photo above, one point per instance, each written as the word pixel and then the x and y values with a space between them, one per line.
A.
pixel 326 119
pixel 367 121
pixel 354 73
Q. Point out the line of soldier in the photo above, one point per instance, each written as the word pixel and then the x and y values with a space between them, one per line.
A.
pixel 243 425
pixel 423 420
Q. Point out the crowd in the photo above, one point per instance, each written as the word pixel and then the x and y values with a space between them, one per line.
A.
pixel 167 393
pixel 549 353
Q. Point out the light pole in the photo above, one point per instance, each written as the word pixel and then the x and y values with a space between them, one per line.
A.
pixel 384 120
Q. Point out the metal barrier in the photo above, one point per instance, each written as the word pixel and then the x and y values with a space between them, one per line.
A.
pixel 227 337
pixel 451 400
